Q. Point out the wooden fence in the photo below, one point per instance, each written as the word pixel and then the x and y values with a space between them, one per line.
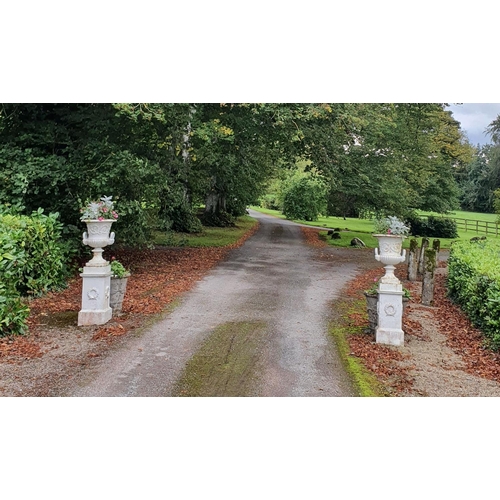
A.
pixel 476 226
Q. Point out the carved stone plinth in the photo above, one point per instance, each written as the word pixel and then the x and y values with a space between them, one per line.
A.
pixel 390 314
pixel 95 296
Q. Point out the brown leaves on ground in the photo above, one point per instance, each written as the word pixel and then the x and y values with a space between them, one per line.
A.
pixel 13 349
pixel 159 275
pixel 312 237
pixel 463 337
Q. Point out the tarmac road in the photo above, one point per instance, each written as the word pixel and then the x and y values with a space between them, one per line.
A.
pixel 256 325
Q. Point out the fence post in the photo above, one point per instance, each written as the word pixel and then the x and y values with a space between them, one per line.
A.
pixel 421 257
pixel 436 245
pixel 413 260
pixel 428 278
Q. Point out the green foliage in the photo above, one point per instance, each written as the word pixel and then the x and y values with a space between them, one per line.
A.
pixel 13 310
pixel 159 161
pixel 474 283
pixel 391 225
pixel 209 237
pixel 33 260
pixel 496 203
pixel 477 180
pixel 269 201
pixel 45 263
pixel 433 227
pixel 118 269
pixel 305 197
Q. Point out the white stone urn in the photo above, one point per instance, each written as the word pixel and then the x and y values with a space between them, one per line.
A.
pixel 389 253
pixel 98 236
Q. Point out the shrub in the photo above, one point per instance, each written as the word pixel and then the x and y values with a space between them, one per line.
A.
pixel 33 260
pixel 474 283
pixel 305 199
pixel 434 227
pixel 442 227
pixel 270 201
pixel 45 267
pixel 13 310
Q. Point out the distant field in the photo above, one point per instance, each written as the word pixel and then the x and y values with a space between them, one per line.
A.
pixel 363 228
pixel 465 215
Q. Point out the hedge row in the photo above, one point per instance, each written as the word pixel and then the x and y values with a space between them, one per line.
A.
pixel 433 227
pixel 474 283
pixel 33 260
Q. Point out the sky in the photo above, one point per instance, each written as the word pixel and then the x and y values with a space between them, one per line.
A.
pixel 474 118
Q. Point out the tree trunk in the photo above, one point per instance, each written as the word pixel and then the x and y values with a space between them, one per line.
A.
pixel 215 203
pixel 413 261
pixel 428 277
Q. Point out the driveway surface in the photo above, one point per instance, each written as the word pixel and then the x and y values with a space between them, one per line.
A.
pixel 256 325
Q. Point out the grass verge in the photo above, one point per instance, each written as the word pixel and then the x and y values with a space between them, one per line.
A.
pixel 209 237
pixel 365 382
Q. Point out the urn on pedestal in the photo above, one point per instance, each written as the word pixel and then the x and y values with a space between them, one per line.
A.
pixel 99 217
pixel 391 232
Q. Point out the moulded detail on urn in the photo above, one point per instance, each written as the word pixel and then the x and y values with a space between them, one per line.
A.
pixel 390 248
pixel 99 227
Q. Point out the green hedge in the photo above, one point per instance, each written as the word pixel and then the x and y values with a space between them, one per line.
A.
pixel 433 227
pixel 474 284
pixel 33 260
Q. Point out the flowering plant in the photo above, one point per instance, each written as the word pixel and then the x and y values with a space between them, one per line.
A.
pixel 391 225
pixel 118 269
pixel 99 210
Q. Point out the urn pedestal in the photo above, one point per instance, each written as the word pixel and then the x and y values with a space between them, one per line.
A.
pixel 390 291
pixel 95 296
pixel 96 275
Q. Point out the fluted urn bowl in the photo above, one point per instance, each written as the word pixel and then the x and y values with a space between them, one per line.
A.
pixel 389 253
pixel 389 249
pixel 98 236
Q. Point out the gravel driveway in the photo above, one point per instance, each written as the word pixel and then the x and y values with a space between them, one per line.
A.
pixel 257 325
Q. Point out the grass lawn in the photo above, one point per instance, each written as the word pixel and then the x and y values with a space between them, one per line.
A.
pixel 363 228
pixel 458 214
pixel 209 237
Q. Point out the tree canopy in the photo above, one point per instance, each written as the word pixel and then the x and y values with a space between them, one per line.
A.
pixel 169 166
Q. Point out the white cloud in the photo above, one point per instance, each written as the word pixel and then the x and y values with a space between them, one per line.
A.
pixel 474 118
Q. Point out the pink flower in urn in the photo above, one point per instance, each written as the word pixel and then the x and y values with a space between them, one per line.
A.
pixel 100 210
